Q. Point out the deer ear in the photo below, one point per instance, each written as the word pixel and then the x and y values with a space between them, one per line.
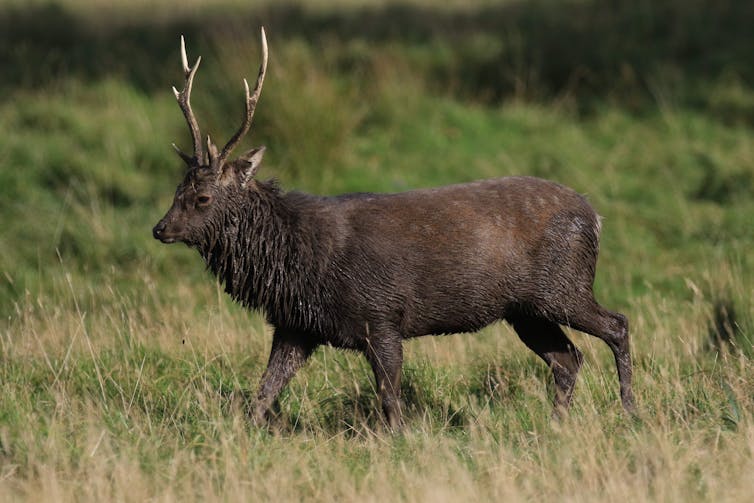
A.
pixel 249 163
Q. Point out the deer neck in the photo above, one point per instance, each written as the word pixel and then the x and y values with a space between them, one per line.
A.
pixel 265 257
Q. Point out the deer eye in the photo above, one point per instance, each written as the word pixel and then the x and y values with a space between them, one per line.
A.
pixel 203 200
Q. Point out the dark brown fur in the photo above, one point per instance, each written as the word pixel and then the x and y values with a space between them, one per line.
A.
pixel 365 271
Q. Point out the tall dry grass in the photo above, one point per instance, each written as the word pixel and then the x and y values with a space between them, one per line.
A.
pixel 132 398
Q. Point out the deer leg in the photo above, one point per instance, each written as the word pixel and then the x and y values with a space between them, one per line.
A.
pixel 289 353
pixel 613 329
pixel 385 355
pixel 549 342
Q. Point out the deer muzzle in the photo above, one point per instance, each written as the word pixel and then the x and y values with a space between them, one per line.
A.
pixel 160 232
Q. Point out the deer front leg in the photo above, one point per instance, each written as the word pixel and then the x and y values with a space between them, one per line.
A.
pixel 289 352
pixel 385 354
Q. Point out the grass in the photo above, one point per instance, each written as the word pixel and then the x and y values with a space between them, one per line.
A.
pixel 123 366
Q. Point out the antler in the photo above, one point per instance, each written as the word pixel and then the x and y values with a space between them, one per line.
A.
pixel 215 160
pixel 251 104
pixel 183 98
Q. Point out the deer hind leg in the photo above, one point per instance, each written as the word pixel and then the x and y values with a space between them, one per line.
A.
pixel 612 328
pixel 551 344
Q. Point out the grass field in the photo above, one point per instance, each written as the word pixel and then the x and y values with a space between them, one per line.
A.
pixel 123 366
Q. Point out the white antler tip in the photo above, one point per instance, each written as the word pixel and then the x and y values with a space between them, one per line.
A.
pixel 184 57
pixel 177 94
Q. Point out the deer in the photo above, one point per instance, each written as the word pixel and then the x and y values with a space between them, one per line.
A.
pixel 366 271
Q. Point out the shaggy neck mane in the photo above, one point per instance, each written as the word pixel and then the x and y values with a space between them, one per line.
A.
pixel 266 259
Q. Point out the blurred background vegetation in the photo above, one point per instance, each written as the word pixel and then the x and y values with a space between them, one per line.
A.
pixel 646 106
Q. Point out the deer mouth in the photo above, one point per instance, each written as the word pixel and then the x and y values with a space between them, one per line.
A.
pixel 160 232
pixel 166 239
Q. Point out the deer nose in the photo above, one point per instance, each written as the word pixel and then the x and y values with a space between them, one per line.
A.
pixel 159 229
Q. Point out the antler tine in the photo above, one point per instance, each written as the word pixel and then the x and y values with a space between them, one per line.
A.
pixel 184 58
pixel 184 101
pixel 186 158
pixel 251 104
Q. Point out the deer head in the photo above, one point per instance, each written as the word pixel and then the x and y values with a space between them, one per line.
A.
pixel 211 180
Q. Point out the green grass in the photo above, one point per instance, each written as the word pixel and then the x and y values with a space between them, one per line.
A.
pixel 124 368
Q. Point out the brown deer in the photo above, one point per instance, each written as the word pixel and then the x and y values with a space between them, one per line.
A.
pixel 366 271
